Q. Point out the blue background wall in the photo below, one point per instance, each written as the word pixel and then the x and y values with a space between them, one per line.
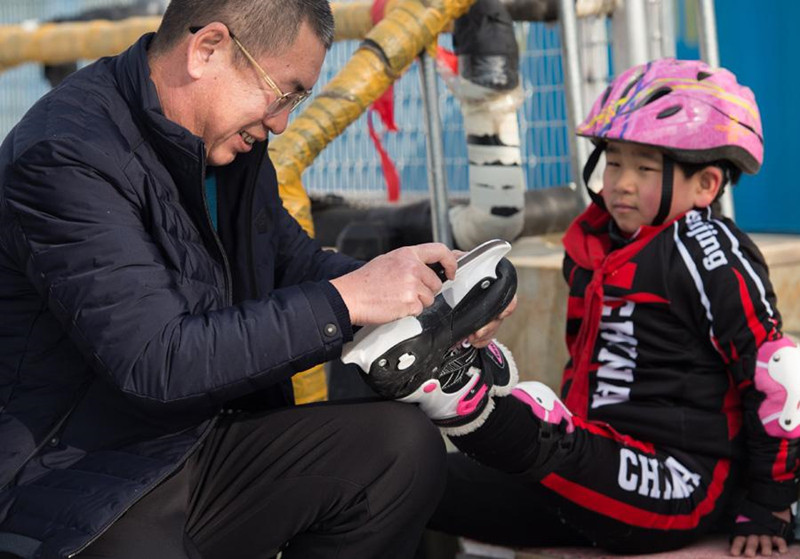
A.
pixel 756 43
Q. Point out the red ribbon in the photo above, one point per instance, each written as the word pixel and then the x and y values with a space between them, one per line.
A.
pixel 384 106
pixel 592 251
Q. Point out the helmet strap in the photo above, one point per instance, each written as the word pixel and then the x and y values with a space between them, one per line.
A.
pixel 588 169
pixel 667 181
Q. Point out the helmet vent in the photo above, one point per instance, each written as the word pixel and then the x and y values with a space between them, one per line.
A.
pixel 703 75
pixel 657 94
pixel 606 95
pixel 668 112
pixel 630 86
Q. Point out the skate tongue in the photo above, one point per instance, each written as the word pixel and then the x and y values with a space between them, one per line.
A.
pixel 372 342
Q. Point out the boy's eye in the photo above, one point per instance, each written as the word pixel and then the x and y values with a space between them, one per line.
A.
pixel 645 168
pixel 612 163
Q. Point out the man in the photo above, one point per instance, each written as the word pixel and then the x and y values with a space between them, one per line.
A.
pixel 157 298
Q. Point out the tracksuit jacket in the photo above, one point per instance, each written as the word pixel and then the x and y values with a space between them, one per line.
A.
pixel 126 322
pixel 663 331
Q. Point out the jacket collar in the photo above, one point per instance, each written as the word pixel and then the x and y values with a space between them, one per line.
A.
pixel 181 152
pixel 172 142
pixel 589 244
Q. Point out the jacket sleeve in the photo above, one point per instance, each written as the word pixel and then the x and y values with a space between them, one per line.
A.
pixel 302 258
pixel 736 310
pixel 106 268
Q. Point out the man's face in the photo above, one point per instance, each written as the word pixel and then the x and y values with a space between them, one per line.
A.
pixel 238 115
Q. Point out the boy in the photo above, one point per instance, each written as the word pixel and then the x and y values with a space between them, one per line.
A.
pixel 681 393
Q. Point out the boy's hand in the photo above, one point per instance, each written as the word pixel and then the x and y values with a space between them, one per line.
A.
pixel 749 546
pixel 485 334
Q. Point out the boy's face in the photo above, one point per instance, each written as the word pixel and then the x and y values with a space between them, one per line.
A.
pixel 632 186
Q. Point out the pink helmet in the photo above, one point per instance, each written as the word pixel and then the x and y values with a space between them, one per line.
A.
pixel 695 113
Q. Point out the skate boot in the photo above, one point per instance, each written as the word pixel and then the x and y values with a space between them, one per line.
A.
pixel 426 353
pixel 458 394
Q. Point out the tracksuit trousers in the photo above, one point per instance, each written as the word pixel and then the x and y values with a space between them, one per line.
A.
pixel 591 486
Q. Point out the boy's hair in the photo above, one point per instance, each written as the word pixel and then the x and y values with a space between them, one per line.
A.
pixel 265 26
pixel 730 172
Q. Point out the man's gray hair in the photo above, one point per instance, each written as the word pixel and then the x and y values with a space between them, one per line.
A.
pixel 264 26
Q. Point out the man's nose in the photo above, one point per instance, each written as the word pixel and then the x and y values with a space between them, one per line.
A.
pixel 277 123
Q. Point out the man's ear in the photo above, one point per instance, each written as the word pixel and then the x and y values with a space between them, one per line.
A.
pixel 709 181
pixel 204 48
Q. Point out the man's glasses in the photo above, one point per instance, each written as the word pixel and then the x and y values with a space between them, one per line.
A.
pixel 283 101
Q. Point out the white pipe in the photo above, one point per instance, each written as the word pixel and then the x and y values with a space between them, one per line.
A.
pixel 578 147
pixel 635 14
pixel 709 52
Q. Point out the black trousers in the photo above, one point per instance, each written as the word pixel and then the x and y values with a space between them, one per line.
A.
pixel 546 487
pixel 349 480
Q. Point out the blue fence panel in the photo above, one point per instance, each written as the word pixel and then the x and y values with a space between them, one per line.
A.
pixel 350 165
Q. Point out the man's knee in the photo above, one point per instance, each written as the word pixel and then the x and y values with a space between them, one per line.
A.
pixel 403 438
pixel 404 430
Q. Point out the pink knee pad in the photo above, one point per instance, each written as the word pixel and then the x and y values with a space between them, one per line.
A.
pixel 543 403
pixel 778 378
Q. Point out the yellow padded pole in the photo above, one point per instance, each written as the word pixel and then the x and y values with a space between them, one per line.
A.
pixel 58 43
pixel 390 47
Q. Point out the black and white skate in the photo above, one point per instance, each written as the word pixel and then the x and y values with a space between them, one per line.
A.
pixel 396 359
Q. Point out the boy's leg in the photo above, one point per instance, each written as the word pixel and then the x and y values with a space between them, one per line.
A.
pixel 489 505
pixel 345 480
pixel 622 494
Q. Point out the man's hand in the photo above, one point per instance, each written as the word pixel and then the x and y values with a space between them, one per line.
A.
pixel 749 546
pixel 484 335
pixel 396 284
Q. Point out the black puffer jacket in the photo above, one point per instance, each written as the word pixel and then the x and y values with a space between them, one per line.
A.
pixel 127 322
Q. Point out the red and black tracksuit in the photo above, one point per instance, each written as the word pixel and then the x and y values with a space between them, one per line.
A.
pixel 663 331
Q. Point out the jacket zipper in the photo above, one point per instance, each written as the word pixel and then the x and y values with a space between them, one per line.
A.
pixel 250 262
pixel 226 267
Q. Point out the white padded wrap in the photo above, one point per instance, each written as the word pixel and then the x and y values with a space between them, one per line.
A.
pixel 472 425
pixel 513 373
pixel 778 377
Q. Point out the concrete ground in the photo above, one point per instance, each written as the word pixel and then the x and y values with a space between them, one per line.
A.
pixel 711 548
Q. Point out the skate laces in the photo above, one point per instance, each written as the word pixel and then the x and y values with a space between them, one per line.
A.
pixel 458 360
